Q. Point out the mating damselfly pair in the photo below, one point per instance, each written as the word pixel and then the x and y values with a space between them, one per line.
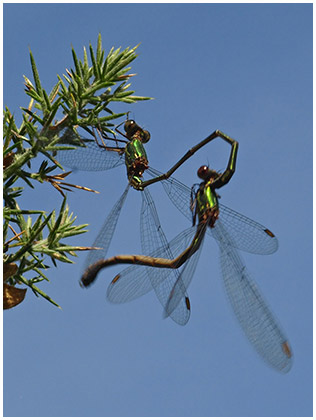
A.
pixel 168 267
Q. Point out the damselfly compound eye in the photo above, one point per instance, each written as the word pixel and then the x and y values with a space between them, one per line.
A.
pixel 129 126
pixel 145 136
pixel 203 172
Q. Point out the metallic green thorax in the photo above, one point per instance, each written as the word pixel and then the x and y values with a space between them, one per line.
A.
pixel 133 150
pixel 206 197
pixel 135 159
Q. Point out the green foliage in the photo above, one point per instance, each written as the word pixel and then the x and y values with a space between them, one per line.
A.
pixel 82 98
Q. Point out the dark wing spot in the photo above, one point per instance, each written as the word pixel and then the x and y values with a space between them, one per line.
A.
pixel 268 232
pixel 115 279
pixel 286 349
pixel 187 302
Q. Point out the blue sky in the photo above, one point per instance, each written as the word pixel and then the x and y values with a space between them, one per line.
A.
pixel 246 70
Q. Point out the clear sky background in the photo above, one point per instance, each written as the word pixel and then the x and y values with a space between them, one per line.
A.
pixel 246 70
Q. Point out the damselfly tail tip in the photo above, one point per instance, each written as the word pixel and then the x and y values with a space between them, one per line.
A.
pixel 83 282
pixel 87 278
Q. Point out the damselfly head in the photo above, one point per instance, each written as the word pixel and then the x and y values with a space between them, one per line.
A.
pixel 205 173
pixel 131 127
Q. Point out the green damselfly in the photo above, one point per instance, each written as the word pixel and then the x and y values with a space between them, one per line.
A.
pixel 231 231
pixel 99 156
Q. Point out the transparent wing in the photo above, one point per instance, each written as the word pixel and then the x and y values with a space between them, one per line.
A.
pixel 92 157
pixel 135 281
pixel 178 193
pixel 180 287
pixel 248 235
pixel 252 312
pixel 152 235
pixel 105 235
